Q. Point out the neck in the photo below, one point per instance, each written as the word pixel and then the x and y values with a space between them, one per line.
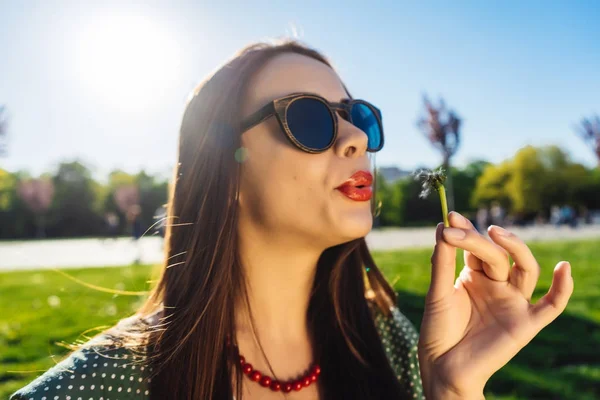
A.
pixel 279 274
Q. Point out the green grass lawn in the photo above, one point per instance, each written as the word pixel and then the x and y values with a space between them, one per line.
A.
pixel 43 308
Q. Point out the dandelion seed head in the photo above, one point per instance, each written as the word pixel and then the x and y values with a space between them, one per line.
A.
pixel 430 180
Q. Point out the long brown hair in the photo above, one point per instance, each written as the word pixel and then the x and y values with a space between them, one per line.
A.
pixel 202 276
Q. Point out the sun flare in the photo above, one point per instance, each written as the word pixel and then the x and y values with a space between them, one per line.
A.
pixel 129 61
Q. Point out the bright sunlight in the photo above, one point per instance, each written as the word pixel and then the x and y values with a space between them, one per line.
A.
pixel 128 61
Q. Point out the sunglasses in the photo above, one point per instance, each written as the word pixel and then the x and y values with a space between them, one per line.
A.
pixel 310 122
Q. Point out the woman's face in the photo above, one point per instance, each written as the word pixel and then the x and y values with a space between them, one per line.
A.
pixel 286 191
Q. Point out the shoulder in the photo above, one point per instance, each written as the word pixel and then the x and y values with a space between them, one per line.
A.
pixel 399 338
pixel 97 370
pixel 395 328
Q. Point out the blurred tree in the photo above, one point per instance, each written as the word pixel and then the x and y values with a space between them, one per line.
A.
pixel 587 192
pixel 491 186
pixel 120 178
pixel 554 158
pixel 391 196
pixel 140 189
pixel 153 195
pixel 80 203
pixel 441 126
pixel 8 189
pixel 475 168
pixel 589 130
pixel 16 219
pixel 10 221
pixel 74 211
pixel 528 181
pixel 564 178
pixel 534 180
pixel 464 184
pixel 111 200
pixel 37 194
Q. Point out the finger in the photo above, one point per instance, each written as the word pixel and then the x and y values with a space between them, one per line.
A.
pixel 555 301
pixel 525 271
pixel 495 259
pixel 459 221
pixel 443 268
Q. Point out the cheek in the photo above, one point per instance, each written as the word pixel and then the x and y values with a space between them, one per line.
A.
pixel 295 186
pixel 278 176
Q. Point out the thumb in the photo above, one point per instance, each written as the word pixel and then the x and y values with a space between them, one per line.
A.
pixel 443 267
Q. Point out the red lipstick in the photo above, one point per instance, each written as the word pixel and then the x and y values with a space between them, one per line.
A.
pixel 358 186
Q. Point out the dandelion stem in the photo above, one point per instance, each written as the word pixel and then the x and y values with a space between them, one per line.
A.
pixel 442 191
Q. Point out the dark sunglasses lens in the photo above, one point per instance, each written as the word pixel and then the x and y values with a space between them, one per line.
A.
pixel 311 123
pixel 364 118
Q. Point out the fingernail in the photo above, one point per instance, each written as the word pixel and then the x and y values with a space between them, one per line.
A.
pixel 460 216
pixel 454 233
pixel 464 218
pixel 438 231
pixel 500 231
pixel 568 267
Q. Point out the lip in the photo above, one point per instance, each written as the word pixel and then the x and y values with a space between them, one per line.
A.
pixel 360 178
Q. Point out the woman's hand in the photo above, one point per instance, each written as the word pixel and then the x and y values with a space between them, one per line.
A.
pixel 473 326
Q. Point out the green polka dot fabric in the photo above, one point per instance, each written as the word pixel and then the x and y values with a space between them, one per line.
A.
pixel 91 373
pixel 104 373
pixel 399 338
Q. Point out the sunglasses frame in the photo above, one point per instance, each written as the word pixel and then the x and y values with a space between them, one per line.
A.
pixel 279 107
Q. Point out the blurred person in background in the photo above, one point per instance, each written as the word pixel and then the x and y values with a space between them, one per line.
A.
pixel 112 225
pixel 160 215
pixel 134 218
pixel 568 216
pixel 555 217
pixel 497 214
pixel 483 218
pixel 160 220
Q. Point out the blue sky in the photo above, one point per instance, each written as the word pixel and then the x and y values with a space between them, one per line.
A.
pixel 106 81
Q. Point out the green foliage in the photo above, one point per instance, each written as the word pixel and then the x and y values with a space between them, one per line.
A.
pixel 79 202
pixel 528 179
pixel 72 212
pixel 8 187
pixel 464 181
pixel 491 186
pixel 587 192
pixel 528 184
pixel 535 179
pixel 391 197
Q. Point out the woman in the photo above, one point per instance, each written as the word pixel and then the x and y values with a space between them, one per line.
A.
pixel 265 292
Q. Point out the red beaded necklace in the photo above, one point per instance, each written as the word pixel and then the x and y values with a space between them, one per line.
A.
pixel 273 384
pixel 276 386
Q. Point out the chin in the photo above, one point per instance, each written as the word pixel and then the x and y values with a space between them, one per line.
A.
pixel 355 228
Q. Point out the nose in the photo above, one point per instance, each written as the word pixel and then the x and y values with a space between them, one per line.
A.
pixel 351 141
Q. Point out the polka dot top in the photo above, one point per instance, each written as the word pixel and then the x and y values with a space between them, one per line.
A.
pixel 103 373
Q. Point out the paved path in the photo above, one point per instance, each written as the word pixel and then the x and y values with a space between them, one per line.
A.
pixel 388 239
pixel 73 253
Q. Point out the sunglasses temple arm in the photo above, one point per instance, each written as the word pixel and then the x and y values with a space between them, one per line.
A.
pixel 258 117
